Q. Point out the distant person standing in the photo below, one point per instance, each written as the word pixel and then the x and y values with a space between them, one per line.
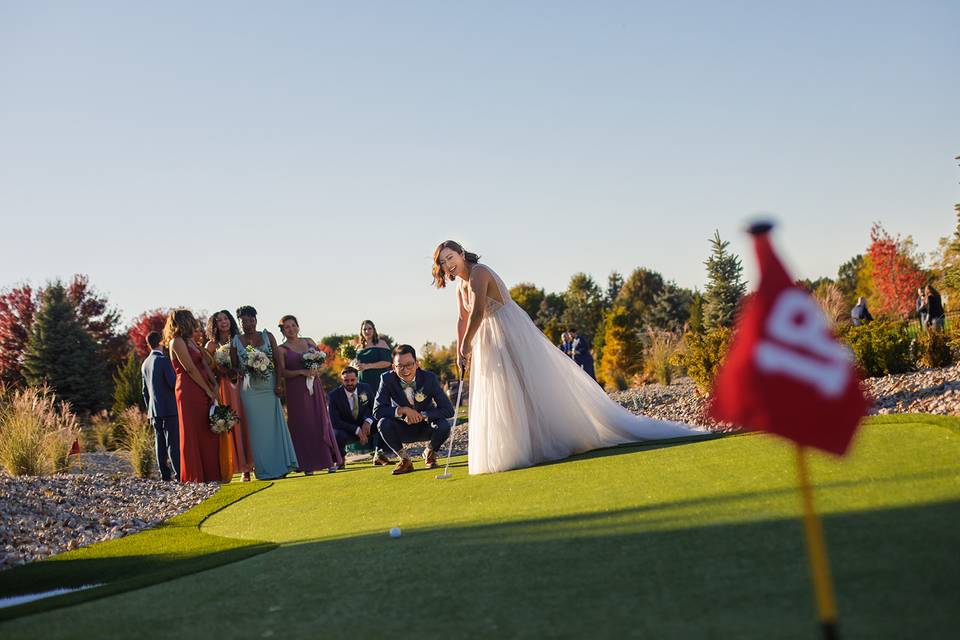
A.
pixel 933 307
pixel 921 309
pixel 566 343
pixel 159 396
pixel 860 314
pixel 580 351
pixel 373 355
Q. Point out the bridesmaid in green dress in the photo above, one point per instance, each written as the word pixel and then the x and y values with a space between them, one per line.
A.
pixel 273 453
pixel 373 355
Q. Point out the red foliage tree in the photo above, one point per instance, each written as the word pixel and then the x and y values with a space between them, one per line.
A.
pixel 145 323
pixel 100 321
pixel 17 308
pixel 896 276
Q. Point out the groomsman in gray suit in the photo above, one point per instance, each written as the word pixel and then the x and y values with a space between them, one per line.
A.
pixel 159 396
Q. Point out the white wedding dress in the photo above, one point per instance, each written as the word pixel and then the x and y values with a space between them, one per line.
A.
pixel 530 403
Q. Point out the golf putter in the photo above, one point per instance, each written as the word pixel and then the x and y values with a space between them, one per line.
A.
pixel 456 414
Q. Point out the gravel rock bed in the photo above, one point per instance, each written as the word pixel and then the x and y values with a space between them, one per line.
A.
pixel 43 516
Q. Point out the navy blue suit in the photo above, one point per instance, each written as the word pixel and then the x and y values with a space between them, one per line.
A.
pixel 434 405
pixel 582 355
pixel 159 396
pixel 344 424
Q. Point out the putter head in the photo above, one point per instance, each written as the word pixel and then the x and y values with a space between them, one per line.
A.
pixel 444 476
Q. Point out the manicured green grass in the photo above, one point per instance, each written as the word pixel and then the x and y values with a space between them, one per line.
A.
pixel 175 548
pixel 699 540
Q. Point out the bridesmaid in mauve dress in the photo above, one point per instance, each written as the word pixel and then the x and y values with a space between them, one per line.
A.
pixel 273 454
pixel 221 329
pixel 199 446
pixel 307 415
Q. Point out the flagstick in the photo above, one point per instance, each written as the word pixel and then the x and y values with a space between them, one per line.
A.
pixel 817 553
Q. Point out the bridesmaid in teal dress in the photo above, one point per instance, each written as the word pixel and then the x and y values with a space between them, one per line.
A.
pixel 273 453
pixel 373 355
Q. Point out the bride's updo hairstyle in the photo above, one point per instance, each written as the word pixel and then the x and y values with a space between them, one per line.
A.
pixel 439 277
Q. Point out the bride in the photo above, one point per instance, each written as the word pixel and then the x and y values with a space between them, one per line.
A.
pixel 530 403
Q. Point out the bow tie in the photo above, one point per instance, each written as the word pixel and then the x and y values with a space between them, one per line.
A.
pixel 408 385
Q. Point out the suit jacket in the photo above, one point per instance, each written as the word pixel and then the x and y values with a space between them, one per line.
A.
pixel 581 350
pixel 435 403
pixel 339 407
pixel 159 384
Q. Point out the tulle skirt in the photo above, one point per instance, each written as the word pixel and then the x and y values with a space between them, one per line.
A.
pixel 530 403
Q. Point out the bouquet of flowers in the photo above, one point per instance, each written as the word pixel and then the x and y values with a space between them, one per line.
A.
pixel 348 351
pixel 313 360
pixel 222 418
pixel 258 363
pixel 222 357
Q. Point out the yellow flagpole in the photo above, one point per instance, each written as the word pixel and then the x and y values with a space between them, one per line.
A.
pixel 817 552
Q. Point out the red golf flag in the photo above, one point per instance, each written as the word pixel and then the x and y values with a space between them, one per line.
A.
pixel 785 372
pixel 75 448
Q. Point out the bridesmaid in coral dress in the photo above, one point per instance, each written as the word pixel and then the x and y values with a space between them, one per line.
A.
pixel 221 329
pixel 199 446
pixel 307 416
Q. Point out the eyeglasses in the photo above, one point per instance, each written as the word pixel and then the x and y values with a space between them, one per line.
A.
pixel 404 367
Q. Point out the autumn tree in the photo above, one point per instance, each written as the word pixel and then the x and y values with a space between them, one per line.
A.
pixel 528 297
pixel 896 276
pixel 17 308
pixel 622 351
pixel 141 327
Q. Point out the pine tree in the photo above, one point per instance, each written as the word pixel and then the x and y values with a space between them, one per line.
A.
pixel 62 354
pixel 725 285
pixel 127 385
pixel 614 284
pixel 622 351
pixel 695 323
pixel 671 308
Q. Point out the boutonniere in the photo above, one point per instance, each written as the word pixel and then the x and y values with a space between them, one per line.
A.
pixel 420 396
pixel 364 397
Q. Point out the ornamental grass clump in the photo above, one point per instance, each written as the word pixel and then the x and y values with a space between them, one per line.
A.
pixel 661 351
pixel 36 432
pixel 138 440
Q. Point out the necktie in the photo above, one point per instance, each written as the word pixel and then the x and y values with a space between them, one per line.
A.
pixel 354 405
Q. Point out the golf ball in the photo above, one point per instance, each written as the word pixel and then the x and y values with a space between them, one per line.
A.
pixel 395 532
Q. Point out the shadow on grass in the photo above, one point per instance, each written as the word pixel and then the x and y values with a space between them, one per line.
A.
pixel 895 573
pixel 175 548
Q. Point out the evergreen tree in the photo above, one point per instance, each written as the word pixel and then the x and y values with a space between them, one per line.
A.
pixel 725 285
pixel 584 305
pixel 847 277
pixel 638 294
pixel 549 316
pixel 695 322
pixel 622 351
pixel 62 354
pixel 127 385
pixel 614 285
pixel 671 308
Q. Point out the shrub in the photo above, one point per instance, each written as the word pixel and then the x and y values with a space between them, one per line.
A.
pixel 102 434
pixel 932 349
pixel 138 439
pixel 622 351
pixel 881 348
pixel 127 385
pixel 36 434
pixel 703 354
pixel 662 347
pixel 834 305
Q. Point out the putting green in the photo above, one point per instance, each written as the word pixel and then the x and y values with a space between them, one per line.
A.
pixel 694 540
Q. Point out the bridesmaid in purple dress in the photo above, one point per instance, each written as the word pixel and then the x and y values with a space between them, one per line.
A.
pixel 307 417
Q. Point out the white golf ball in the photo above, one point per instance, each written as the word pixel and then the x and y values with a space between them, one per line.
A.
pixel 395 532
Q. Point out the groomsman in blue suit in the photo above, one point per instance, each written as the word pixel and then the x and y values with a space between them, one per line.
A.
pixel 351 412
pixel 412 407
pixel 580 351
pixel 159 396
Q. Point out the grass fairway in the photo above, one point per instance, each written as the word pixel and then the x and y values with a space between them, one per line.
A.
pixel 698 540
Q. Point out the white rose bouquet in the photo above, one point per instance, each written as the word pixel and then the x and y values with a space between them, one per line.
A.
pixel 222 357
pixel 258 364
pixel 313 360
pixel 222 419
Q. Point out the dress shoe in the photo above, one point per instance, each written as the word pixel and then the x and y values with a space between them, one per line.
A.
pixel 431 459
pixel 381 460
pixel 404 466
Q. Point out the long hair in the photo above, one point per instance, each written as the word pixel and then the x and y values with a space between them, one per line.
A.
pixel 376 336
pixel 180 324
pixel 439 277
pixel 213 333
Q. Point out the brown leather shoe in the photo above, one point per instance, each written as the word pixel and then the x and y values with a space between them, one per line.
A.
pixel 404 466
pixel 431 459
pixel 381 460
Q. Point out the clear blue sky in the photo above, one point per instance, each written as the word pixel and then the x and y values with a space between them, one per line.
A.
pixel 306 157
